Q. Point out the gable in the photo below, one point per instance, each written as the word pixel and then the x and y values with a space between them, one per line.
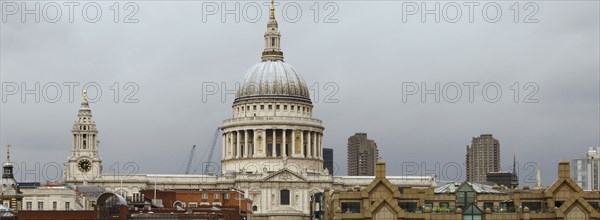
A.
pixel 284 176
pixel 575 213
pixel 465 187
pixel 563 192
pixel 380 191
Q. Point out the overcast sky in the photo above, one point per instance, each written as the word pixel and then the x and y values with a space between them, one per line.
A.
pixel 362 56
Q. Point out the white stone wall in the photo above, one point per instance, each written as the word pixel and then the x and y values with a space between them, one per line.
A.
pixel 49 195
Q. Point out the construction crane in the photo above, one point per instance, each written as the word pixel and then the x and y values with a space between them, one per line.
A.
pixel 211 147
pixel 189 162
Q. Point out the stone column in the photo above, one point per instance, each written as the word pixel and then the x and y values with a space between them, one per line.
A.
pixel 293 153
pixel 274 148
pixel 246 143
pixel 224 154
pixel 237 144
pixel 253 142
pixel 316 147
pixel 284 145
pixel 302 144
pixel 264 144
pixel 318 144
pixel 230 144
pixel 308 145
pixel 321 145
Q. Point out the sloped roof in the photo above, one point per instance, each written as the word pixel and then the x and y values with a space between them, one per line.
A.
pixel 478 187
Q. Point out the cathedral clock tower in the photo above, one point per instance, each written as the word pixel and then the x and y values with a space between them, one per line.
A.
pixel 84 164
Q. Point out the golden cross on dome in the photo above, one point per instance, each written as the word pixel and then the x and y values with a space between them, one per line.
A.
pixel 8 153
pixel 272 8
pixel 84 95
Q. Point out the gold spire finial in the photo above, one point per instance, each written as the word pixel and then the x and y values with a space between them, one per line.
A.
pixel 272 8
pixel 85 95
pixel 8 153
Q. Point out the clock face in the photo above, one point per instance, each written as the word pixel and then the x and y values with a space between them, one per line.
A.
pixel 84 165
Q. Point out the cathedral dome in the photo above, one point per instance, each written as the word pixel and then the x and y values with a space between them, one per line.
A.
pixel 272 79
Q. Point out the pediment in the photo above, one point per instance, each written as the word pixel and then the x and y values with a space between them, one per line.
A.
pixel 284 175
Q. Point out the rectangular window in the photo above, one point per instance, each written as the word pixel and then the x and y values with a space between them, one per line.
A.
pixel 226 195
pixel 284 107
pixel 429 205
pixel 277 107
pixel 270 107
pixel 204 195
pixel 487 205
pixel 40 206
pixel 193 205
pixel 254 107
pixel 444 205
pixel 28 205
pixel 67 206
pixel 408 206
pixel 533 206
pixel 262 107
pixel 54 206
pixel 217 195
pixel 284 197
pixel 351 207
pixel 292 107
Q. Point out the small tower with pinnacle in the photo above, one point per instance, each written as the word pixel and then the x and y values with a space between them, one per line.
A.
pixel 514 181
pixel 84 162
pixel 10 194
pixel 272 38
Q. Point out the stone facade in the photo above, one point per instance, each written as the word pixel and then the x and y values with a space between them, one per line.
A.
pixel 383 200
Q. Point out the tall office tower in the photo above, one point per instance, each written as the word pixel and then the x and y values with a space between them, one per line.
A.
pixel 362 155
pixel 483 156
pixel 328 159
pixel 585 170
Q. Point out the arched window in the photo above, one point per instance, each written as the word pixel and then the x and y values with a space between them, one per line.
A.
pixel 284 197
pixel 178 204
pixel 254 208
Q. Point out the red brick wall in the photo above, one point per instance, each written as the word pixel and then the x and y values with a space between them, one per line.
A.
pixel 56 215
pixel 186 196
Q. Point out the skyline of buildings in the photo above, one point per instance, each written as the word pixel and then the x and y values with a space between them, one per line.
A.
pixel 272 149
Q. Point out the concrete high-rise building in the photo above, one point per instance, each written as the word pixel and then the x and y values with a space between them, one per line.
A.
pixel 483 156
pixel 328 159
pixel 362 155
pixel 585 170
